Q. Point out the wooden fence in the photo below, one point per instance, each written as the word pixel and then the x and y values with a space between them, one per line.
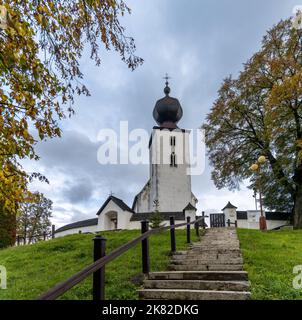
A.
pixel 97 269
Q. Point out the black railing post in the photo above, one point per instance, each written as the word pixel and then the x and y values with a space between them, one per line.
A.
pixel 172 234
pixel 53 230
pixel 145 249
pixel 203 221
pixel 44 235
pixel 236 224
pixel 197 228
pixel 99 251
pixel 18 240
pixel 188 230
pixel 229 222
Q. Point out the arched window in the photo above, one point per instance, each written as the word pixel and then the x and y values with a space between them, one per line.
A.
pixel 173 160
pixel 173 141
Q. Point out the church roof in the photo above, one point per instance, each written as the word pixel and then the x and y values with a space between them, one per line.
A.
pixel 229 206
pixel 167 111
pixel 166 216
pixel 118 202
pixel 79 224
pixel 189 207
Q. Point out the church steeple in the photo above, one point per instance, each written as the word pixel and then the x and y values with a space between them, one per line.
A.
pixel 167 88
pixel 167 111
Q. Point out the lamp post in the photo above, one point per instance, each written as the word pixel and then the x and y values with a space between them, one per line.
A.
pixel 256 167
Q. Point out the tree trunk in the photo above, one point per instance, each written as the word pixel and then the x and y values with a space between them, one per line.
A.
pixel 298 208
pixel 298 198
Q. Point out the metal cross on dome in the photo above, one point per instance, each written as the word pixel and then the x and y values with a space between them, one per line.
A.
pixel 167 78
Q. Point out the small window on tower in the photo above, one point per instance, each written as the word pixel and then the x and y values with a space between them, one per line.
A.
pixel 172 141
pixel 173 160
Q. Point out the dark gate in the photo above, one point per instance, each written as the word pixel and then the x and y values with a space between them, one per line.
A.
pixel 217 220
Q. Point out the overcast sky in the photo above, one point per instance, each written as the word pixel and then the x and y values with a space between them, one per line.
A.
pixel 198 42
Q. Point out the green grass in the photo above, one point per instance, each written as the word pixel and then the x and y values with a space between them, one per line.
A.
pixel 269 258
pixel 34 269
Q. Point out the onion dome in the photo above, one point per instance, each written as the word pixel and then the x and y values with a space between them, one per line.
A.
pixel 167 111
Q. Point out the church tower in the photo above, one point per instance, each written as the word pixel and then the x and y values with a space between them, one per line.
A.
pixel 169 187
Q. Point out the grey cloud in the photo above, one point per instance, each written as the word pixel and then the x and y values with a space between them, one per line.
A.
pixel 198 43
pixel 75 156
pixel 78 191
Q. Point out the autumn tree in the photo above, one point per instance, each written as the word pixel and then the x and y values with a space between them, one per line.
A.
pixel 260 113
pixel 7 228
pixel 41 43
pixel 33 220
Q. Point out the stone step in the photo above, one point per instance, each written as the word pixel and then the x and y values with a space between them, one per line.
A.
pixel 216 251
pixel 222 236
pixel 209 256
pixel 215 248
pixel 197 285
pixel 200 275
pixel 205 267
pixel 216 242
pixel 205 250
pixel 183 294
pixel 198 260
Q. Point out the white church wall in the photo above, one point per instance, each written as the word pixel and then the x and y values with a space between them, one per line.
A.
pixel 171 186
pixel 272 224
pixel 253 215
pixel 104 222
pixel 191 214
pixel 230 213
pixel 91 229
pixel 137 224
pixel 143 200
pixel 242 224
pixel 123 220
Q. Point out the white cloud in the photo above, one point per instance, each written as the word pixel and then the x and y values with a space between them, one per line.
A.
pixel 198 43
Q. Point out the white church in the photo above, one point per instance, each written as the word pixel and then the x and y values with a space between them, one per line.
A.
pixel 168 189
pixel 169 185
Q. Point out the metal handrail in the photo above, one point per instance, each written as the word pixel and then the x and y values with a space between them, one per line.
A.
pixel 64 286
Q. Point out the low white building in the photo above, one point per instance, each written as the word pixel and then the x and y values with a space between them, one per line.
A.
pixel 249 219
pixel 168 189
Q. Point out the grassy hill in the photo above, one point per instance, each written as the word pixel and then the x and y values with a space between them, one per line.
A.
pixel 36 268
pixel 269 258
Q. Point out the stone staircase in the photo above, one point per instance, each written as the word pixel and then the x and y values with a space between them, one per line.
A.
pixel 210 270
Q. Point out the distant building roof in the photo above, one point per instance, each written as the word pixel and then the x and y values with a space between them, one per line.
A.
pixel 229 206
pixel 79 224
pixel 118 202
pixel 166 216
pixel 189 207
